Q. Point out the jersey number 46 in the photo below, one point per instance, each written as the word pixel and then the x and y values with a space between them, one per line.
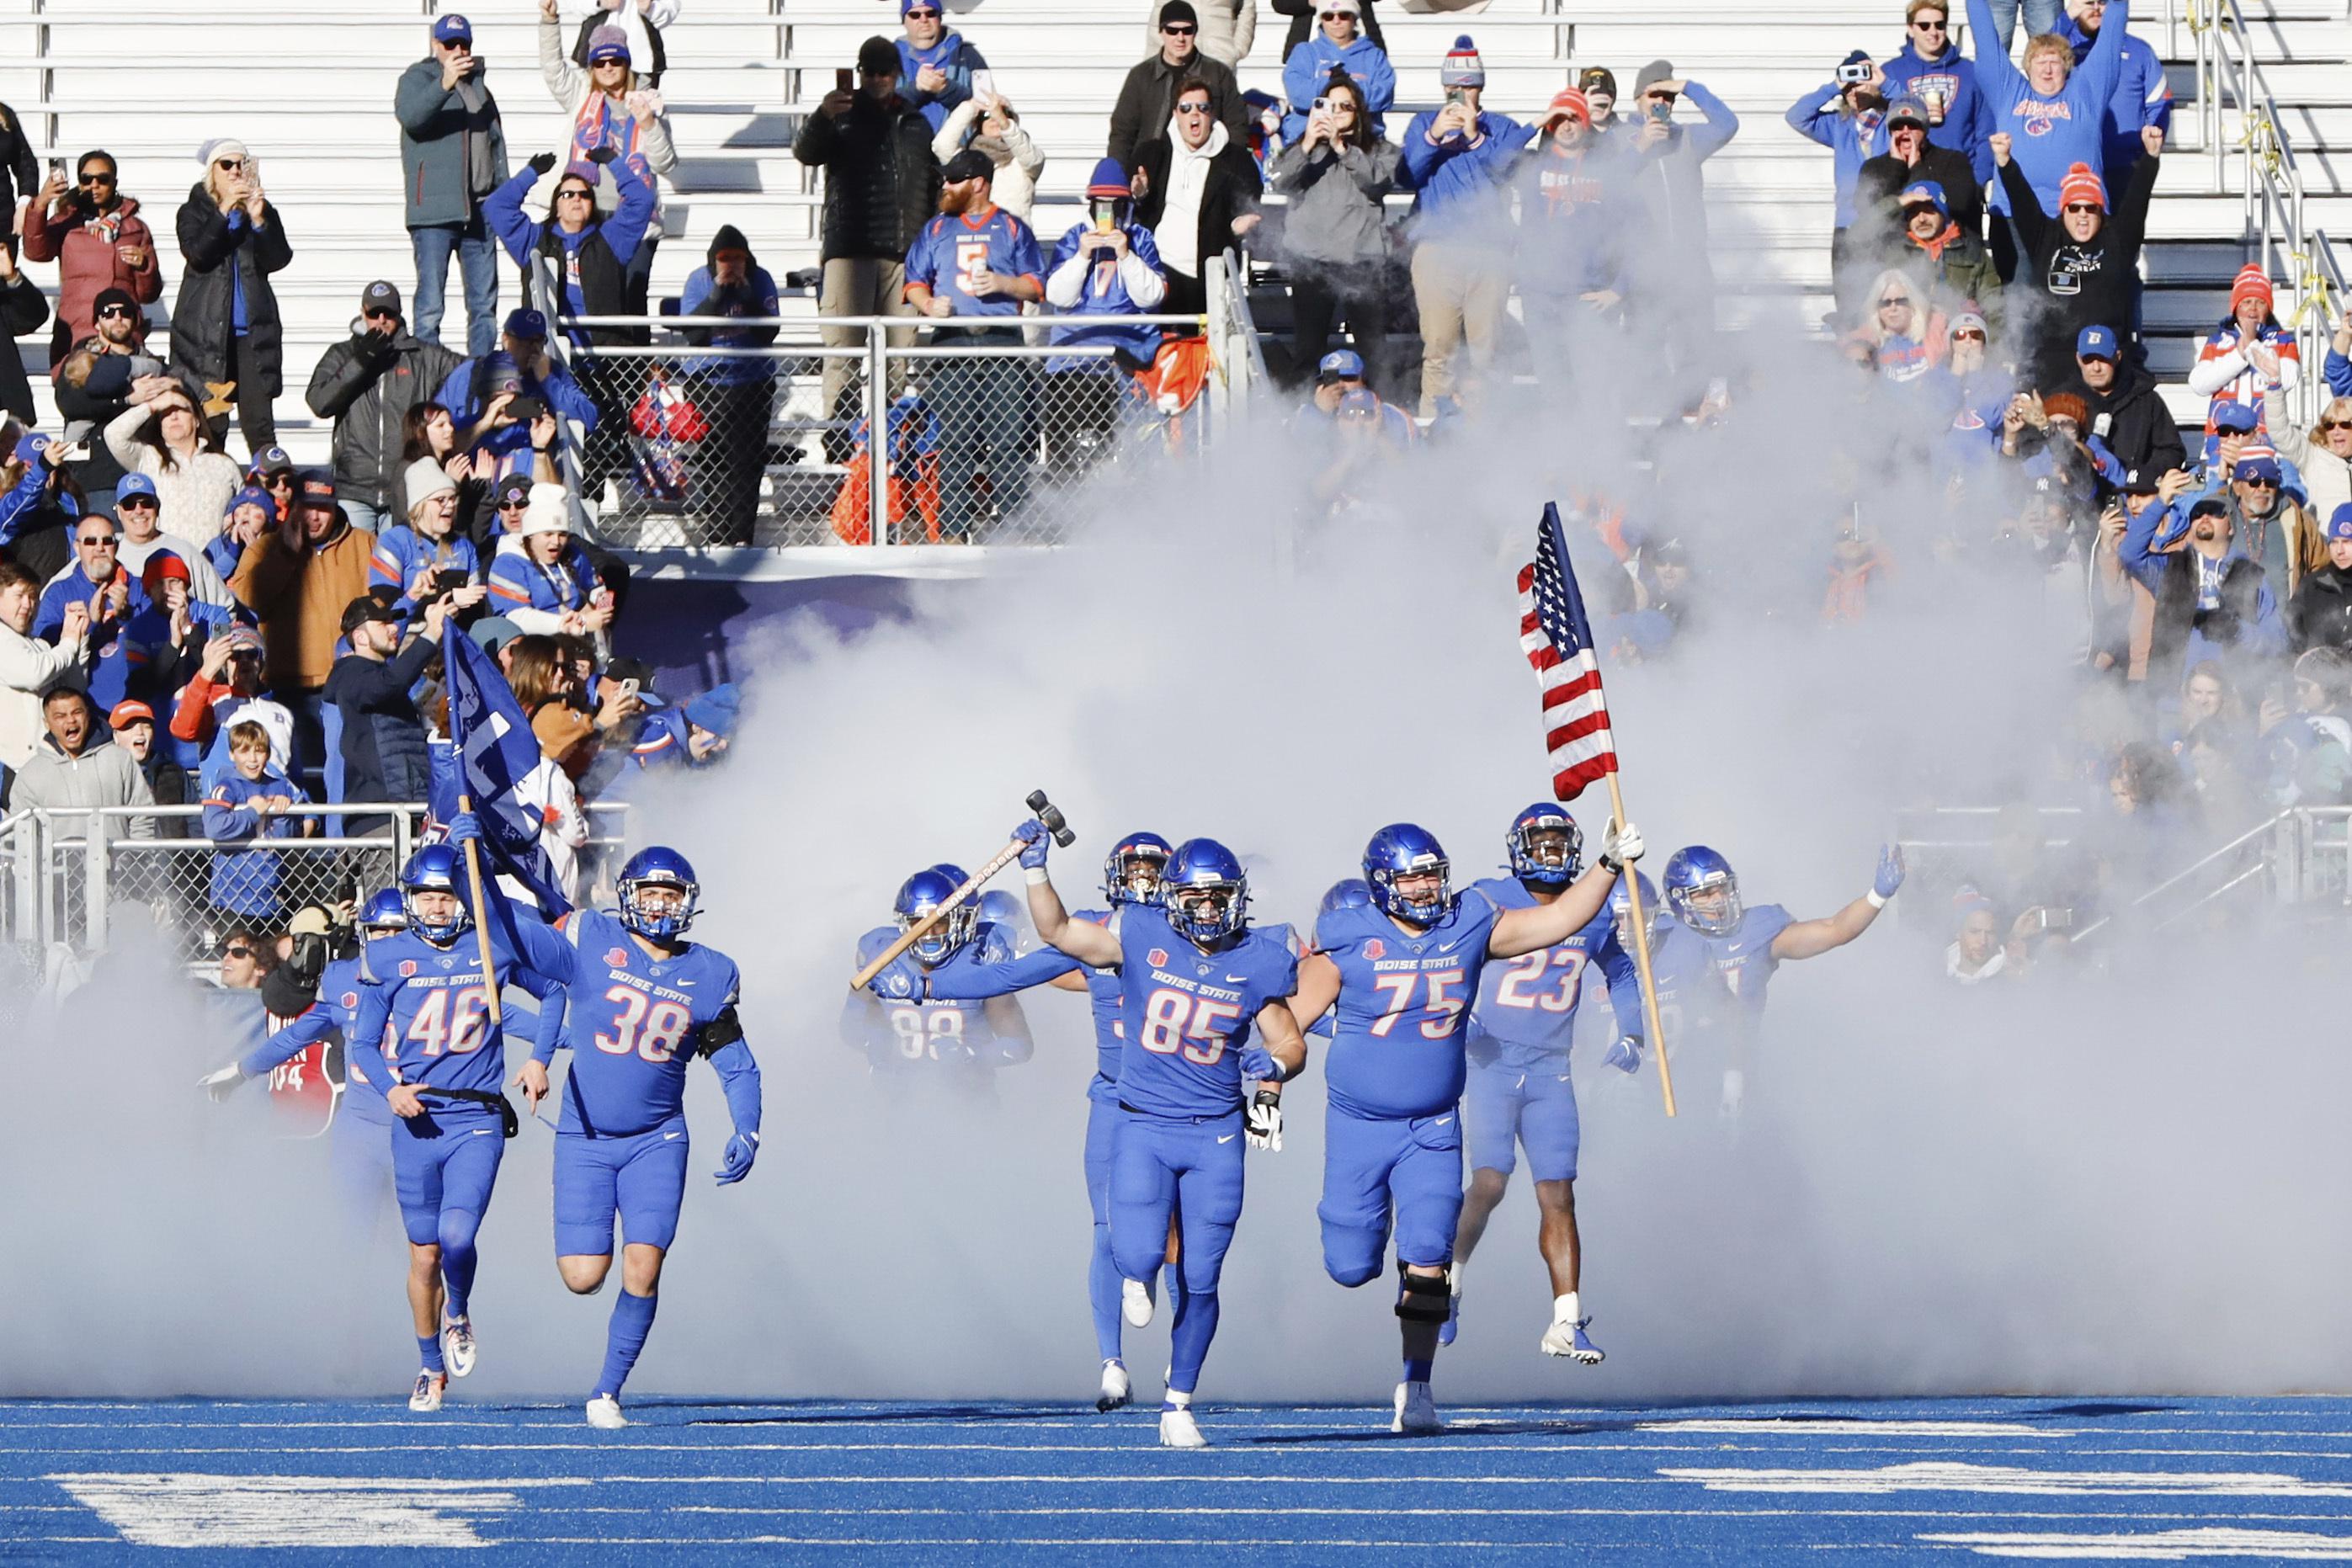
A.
pixel 451 1021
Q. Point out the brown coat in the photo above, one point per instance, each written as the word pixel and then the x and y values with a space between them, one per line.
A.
pixel 300 595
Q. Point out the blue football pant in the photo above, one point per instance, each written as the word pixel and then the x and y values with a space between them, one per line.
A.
pixel 1192 1169
pixel 443 1167
pixel 1102 1274
pixel 1378 1169
pixel 1506 1108
pixel 641 1177
pixel 358 1153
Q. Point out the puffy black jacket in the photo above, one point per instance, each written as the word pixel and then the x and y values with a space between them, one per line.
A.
pixel 366 384
pixel 384 756
pixel 202 321
pixel 2320 613
pixel 881 178
pixel 2140 433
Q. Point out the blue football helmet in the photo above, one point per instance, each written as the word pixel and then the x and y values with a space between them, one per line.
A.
pixel 1130 860
pixel 924 892
pixel 1205 892
pixel 1001 908
pixel 1527 861
pixel 1402 850
pixel 1348 893
pixel 386 911
pixel 1621 907
pixel 658 867
pixel 1697 872
pixel 436 868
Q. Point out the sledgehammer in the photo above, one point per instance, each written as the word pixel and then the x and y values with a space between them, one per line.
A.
pixel 1046 812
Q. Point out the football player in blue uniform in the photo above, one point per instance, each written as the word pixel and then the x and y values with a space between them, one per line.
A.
pixel 1195 975
pixel 645 1002
pixel 1132 874
pixel 1401 972
pixel 911 1032
pixel 358 1140
pixel 1348 893
pixel 1713 931
pixel 446 1058
pixel 1518 1091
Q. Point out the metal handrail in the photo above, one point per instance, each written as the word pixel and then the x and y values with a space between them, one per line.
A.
pixel 2262 830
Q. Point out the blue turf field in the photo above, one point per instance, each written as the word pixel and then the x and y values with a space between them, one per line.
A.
pixel 2134 1480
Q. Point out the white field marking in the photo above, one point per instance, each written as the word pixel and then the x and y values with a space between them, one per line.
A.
pixel 288 1510
pixel 1951 1477
pixel 1354 1436
pixel 1771 1425
pixel 2162 1546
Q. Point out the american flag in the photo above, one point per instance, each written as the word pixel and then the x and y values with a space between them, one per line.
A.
pixel 1558 641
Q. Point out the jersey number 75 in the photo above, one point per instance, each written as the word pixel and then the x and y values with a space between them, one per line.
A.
pixel 1445 1001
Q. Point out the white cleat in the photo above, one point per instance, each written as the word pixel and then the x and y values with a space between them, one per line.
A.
pixel 1179 1430
pixel 1116 1391
pixel 1135 1302
pixel 604 1414
pixel 426 1398
pixel 1416 1409
pixel 1568 1339
pixel 458 1346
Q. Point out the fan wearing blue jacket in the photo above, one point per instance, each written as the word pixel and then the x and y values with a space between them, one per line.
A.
pixel 2053 112
pixel 242 808
pixel 591 252
pixel 1930 68
pixel 1849 118
pixel 2142 97
pixel 1337 44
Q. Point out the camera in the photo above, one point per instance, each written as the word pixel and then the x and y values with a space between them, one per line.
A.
pixel 449 580
pixel 1855 74
pixel 1660 110
pixel 523 409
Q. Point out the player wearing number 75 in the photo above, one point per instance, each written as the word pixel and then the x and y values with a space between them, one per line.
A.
pixel 644 1002
pixel 1195 976
pixel 1402 971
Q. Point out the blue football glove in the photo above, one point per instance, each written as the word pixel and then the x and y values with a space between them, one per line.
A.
pixel 742 1150
pixel 1258 1062
pixel 1625 1056
pixel 1035 840
pixel 1890 872
pixel 465 828
pixel 901 980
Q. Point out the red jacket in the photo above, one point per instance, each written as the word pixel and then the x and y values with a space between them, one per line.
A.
pixel 89 263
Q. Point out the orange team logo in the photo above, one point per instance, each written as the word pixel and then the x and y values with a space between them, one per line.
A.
pixel 350 1000
pixel 407 968
pixel 1375 949
pixel 1156 957
pixel 618 958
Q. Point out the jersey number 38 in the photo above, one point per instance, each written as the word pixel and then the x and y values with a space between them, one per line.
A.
pixel 651 1029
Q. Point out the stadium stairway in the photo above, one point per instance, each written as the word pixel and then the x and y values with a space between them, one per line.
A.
pixel 308 85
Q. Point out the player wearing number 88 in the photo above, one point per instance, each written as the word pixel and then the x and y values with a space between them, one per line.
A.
pixel 1400 971
pixel 911 1034
pixel 1194 977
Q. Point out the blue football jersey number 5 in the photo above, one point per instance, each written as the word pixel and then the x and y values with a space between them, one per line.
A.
pixel 1515 992
pixel 651 1029
pixel 456 1028
pixel 1178 1020
pixel 1445 1001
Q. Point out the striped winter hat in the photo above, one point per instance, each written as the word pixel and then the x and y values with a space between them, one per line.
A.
pixel 2082 183
pixel 2251 283
pixel 1463 67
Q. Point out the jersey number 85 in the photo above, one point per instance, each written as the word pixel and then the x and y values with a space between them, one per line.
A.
pixel 1178 1020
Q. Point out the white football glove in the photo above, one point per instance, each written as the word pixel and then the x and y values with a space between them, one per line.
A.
pixel 220 1083
pixel 1621 845
pixel 1264 1120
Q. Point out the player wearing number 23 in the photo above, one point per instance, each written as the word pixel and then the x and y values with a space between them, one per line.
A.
pixel 1195 975
pixel 1402 971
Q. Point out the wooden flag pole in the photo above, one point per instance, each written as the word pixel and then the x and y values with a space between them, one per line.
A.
pixel 482 925
pixel 1632 879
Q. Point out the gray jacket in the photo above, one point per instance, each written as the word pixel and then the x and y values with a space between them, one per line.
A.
pixel 437 132
pixel 1335 215
pixel 103 775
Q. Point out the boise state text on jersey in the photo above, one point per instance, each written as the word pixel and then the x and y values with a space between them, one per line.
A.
pixel 953 248
pixel 946 1038
pixel 431 1000
pixel 636 1020
pixel 1403 1006
pixel 1525 1015
pixel 1717 981
pixel 1186 1012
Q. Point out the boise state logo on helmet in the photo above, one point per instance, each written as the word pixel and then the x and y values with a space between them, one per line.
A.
pixel 1204 893
pixel 1544 825
pixel 1702 891
pixel 921 893
pixel 1402 850
pixel 658 867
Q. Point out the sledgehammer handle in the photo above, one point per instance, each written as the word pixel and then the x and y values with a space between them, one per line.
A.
pixel 914 933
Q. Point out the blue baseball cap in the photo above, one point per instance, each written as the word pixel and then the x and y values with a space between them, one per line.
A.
pixel 270 460
pixel 607 43
pixel 2260 468
pixel 135 484
pixel 1340 365
pixel 1925 193
pixel 2339 522
pixel 2235 418
pixel 526 323
pixel 2096 342
pixel 453 29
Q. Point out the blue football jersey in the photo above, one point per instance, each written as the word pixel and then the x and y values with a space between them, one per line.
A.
pixel 1403 1006
pixel 950 1037
pixel 1525 1017
pixel 1186 1012
pixel 980 978
pixel 952 248
pixel 1717 981
pixel 431 1001
pixel 635 1021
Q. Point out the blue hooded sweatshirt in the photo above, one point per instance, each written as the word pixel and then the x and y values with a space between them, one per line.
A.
pixel 2142 97
pixel 1965 125
pixel 1852 139
pixel 1311 66
pixel 953 58
pixel 2049 134
pixel 1463 190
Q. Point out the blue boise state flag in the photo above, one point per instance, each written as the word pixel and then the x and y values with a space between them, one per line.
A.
pixel 495 751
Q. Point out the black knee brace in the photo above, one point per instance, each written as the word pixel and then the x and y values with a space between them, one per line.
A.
pixel 1423 1297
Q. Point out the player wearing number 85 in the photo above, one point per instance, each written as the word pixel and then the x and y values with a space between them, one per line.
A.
pixel 1195 976
pixel 1402 971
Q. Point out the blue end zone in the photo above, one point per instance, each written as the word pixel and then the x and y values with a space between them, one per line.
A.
pixel 2138 1479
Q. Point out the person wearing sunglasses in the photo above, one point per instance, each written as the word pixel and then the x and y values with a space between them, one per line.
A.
pixel 1911 157
pixel 1305 17
pixel 1953 263
pixel 225 328
pixel 611 107
pixel 2080 268
pixel 1930 68
pixel 2051 111
pixel 1148 97
pixel 938 68
pixel 2142 97
pixel 95 234
pixel 2324 453
pixel 1334 236
pixel 1196 190
pixel 1339 43
pixel 453 154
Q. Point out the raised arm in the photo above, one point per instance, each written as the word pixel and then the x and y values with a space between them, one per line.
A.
pixel 978 982
pixel 1089 943
pixel 1809 938
pixel 1518 931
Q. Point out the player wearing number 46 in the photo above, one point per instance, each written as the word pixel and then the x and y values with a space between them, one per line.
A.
pixel 1195 975
pixel 644 1002
pixel 1518 1091
pixel 1402 971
